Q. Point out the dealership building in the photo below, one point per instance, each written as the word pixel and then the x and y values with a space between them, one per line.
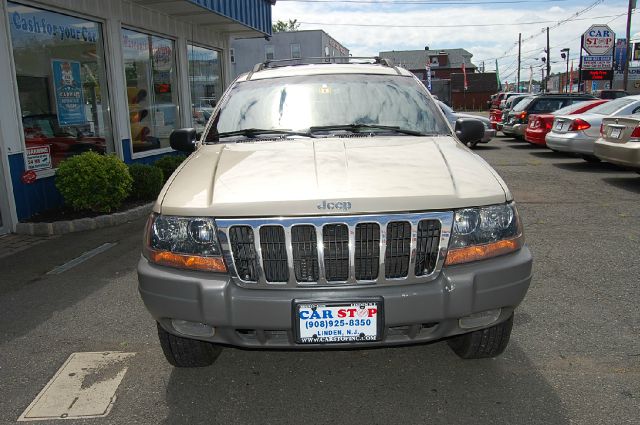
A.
pixel 111 76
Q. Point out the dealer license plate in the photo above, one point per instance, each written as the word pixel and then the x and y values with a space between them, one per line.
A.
pixel 559 125
pixel 615 133
pixel 322 323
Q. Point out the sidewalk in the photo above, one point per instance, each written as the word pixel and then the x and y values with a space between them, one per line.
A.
pixel 12 243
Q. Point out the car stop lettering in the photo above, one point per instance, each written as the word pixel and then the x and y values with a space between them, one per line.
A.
pixel 342 313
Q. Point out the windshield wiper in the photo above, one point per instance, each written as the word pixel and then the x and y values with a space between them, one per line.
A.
pixel 357 127
pixel 253 132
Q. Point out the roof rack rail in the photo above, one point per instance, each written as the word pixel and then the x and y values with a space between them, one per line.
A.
pixel 320 60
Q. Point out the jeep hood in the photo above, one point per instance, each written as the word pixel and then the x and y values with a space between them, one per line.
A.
pixel 296 177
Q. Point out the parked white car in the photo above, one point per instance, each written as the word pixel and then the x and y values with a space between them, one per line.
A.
pixel 577 133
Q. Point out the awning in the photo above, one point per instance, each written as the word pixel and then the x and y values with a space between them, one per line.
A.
pixel 248 17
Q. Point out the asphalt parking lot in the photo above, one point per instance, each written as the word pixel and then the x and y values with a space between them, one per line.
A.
pixel 574 355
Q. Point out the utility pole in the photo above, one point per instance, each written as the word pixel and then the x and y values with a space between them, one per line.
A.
pixel 519 52
pixel 625 79
pixel 542 87
pixel 548 56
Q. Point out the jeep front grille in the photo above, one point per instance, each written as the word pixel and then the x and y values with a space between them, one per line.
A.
pixel 335 250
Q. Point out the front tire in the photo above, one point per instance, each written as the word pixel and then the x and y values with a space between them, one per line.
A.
pixel 483 343
pixel 186 352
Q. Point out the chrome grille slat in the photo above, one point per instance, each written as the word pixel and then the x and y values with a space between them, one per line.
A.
pixel 367 251
pixel 304 249
pixel 428 235
pixel 336 252
pixel 391 249
pixel 274 254
pixel 398 249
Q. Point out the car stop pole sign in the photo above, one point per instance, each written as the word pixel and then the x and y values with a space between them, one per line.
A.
pixel 598 40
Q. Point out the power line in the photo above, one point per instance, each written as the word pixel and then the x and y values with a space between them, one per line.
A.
pixel 573 17
pixel 502 24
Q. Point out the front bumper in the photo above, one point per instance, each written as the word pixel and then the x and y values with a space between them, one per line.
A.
pixel 489 134
pixel 413 313
pixel 573 142
pixel 514 129
pixel 623 154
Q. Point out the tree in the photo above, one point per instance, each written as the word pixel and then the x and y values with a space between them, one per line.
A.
pixel 279 26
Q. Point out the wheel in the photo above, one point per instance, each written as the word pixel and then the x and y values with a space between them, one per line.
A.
pixel 483 343
pixel 472 144
pixel 591 158
pixel 185 352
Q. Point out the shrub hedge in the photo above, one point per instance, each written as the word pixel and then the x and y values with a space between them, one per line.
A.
pixel 147 181
pixel 95 182
pixel 168 164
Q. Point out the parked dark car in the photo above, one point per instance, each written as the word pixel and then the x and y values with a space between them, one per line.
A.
pixel 508 106
pixel 611 94
pixel 518 118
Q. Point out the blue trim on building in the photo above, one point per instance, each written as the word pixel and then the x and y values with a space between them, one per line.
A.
pixel 126 150
pixel 255 14
pixel 35 197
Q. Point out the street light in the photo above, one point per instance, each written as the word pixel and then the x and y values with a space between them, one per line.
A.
pixel 565 54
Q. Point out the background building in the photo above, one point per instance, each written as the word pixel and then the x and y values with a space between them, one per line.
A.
pixel 111 76
pixel 443 63
pixel 283 45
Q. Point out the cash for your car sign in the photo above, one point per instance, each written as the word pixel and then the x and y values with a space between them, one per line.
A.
pixel 68 91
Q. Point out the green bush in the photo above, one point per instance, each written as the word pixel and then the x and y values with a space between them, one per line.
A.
pixel 147 181
pixel 91 181
pixel 168 164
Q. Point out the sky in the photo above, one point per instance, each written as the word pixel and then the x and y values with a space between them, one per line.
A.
pixel 363 26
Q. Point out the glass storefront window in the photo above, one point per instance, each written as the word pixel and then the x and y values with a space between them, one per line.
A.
pixel 60 71
pixel 205 81
pixel 150 71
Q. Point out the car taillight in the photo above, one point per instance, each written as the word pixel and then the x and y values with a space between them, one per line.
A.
pixel 636 133
pixel 579 125
pixel 522 115
pixel 548 124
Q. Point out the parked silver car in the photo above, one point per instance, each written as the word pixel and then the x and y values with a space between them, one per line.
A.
pixel 452 116
pixel 577 133
pixel 620 142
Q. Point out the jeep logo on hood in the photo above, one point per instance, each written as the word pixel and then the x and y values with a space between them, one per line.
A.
pixel 340 205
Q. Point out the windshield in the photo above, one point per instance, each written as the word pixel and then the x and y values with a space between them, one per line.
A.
pixel 522 104
pixel 611 106
pixel 301 102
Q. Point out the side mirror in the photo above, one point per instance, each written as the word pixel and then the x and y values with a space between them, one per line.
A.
pixel 184 139
pixel 469 130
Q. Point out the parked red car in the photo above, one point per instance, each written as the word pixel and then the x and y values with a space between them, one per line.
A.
pixel 540 125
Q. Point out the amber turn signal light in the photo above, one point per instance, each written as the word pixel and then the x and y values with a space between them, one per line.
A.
pixel 482 252
pixel 190 262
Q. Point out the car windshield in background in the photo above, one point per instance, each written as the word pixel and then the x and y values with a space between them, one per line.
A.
pixel 324 102
pixel 612 106
pixel 522 104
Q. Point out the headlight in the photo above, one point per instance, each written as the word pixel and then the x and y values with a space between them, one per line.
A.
pixel 183 242
pixel 480 233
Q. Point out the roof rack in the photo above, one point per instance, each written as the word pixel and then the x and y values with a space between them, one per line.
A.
pixel 321 60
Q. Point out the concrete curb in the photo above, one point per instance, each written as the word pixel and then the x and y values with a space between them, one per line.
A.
pixel 82 224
